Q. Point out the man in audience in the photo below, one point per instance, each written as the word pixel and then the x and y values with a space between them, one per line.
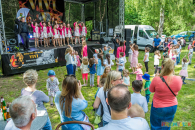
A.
pixel 119 99
pixel 23 112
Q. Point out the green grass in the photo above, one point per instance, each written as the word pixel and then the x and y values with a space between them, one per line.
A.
pixel 10 88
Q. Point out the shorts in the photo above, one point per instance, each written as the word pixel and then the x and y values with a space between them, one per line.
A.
pixel 85 76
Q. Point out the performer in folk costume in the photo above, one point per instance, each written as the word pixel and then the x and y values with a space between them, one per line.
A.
pixel 41 35
pixel 83 31
pixel 77 32
pixel 69 34
pixel 56 23
pixel 64 27
pixel 49 33
pixel 44 31
pixel 36 34
pixel 62 34
pixel 55 35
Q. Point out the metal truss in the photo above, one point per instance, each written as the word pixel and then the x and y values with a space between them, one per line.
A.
pixel 2 30
pixel 83 13
pixel 122 17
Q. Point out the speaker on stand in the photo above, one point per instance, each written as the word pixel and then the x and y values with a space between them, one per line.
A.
pixel 127 38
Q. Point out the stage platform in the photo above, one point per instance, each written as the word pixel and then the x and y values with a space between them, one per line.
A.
pixel 41 58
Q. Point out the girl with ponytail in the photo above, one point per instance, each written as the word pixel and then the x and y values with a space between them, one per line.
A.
pixel 100 68
pixel 108 62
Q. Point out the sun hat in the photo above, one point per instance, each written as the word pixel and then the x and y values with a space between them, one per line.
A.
pixel 51 73
pixel 146 76
pixel 97 50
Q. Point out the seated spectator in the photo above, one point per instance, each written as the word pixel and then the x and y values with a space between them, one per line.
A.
pixel 136 111
pixel 113 78
pixel 70 103
pixel 164 105
pixel 136 97
pixel 119 100
pixel 30 79
pixel 22 114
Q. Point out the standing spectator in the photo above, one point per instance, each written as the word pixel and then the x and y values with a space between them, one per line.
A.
pixel 182 41
pixel 22 115
pixel 113 78
pixel 170 39
pixel 84 49
pixel 165 45
pixel 164 103
pixel 193 44
pixel 30 79
pixel 146 58
pixel 116 42
pixel 120 63
pixel 119 100
pixel 190 54
pixel 146 86
pixel 156 43
pixel 174 41
pixel 120 49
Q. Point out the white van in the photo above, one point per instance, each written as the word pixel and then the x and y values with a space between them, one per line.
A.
pixel 142 34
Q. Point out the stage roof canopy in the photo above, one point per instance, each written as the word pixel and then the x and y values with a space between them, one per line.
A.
pixel 81 1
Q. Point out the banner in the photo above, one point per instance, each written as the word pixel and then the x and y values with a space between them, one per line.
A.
pixel 43 10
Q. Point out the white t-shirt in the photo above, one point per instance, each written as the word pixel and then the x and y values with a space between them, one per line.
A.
pixel 191 51
pixel 146 54
pixel 68 59
pixel 85 68
pixel 106 63
pixel 156 59
pixel 74 59
pixel 11 126
pixel 184 66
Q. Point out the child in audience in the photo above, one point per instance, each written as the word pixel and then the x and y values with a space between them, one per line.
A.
pixel 95 56
pixel 84 49
pixel 102 82
pixel 120 62
pixel 130 54
pixel 69 61
pixel 92 70
pixel 146 86
pixel 184 72
pixel 136 97
pixel 178 51
pixel 139 72
pixel 100 68
pixel 146 58
pixel 74 59
pixel 126 78
pixel 157 56
pixel 136 111
pixel 190 54
pixel 106 71
pixel 108 62
pixel 134 57
pixel 78 60
pixel 174 57
pixel 105 51
pixel 84 70
pixel 52 85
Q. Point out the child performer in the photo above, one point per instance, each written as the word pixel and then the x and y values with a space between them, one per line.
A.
pixel 92 71
pixel 49 33
pixel 69 34
pixel 134 57
pixel 157 56
pixel 83 30
pixel 139 72
pixel 84 49
pixel 44 31
pixel 76 32
pixel 126 78
pixel 36 34
pixel 190 54
pixel 146 86
pixel 41 35
pixel 65 34
pixel 62 34
pixel 184 72
pixel 69 61
pixel 52 85
pixel 78 60
pixel 85 70
pixel 130 54
pixel 100 68
pixel 55 35
pixel 146 58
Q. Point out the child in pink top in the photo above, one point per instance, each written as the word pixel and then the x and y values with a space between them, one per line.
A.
pixel 78 60
pixel 84 49
pixel 134 60
pixel 139 72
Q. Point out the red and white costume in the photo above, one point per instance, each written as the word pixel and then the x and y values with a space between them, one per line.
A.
pixel 68 32
pixel 49 31
pixel 44 31
pixel 77 31
pixel 62 32
pixel 35 31
pixel 55 33
pixel 84 31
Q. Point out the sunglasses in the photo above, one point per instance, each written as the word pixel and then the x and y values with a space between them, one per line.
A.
pixel 118 79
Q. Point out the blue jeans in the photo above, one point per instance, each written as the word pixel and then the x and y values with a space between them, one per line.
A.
pixel 69 69
pixel 147 97
pixel 159 115
pixel 120 70
pixel 74 69
pixel 105 123
pixel 178 59
pixel 92 79
pixel 47 125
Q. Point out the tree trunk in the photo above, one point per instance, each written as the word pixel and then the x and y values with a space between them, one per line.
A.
pixel 65 11
pixel 69 14
pixel 161 21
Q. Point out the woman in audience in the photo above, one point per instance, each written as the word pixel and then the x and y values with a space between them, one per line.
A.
pixel 70 103
pixel 30 79
pixel 164 103
pixel 114 78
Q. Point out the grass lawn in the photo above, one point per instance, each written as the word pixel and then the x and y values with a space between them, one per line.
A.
pixel 10 88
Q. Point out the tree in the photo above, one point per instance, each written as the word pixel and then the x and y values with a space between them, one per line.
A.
pixel 102 14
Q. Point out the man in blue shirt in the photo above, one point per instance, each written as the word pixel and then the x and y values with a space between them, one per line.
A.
pixel 119 100
pixel 174 41
pixel 156 43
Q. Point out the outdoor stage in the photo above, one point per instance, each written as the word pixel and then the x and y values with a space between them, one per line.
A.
pixel 41 58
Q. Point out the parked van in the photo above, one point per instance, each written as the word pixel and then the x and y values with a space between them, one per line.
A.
pixel 143 34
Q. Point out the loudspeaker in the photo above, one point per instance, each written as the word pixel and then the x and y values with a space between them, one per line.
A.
pixel 127 38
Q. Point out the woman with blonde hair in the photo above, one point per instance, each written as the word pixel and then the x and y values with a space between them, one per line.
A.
pixel 70 103
pixel 30 78
pixel 84 49
pixel 114 78
pixel 165 88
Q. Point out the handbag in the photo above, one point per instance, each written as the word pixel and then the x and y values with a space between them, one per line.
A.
pixel 167 85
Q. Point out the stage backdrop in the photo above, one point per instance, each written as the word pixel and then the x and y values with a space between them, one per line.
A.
pixel 43 10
